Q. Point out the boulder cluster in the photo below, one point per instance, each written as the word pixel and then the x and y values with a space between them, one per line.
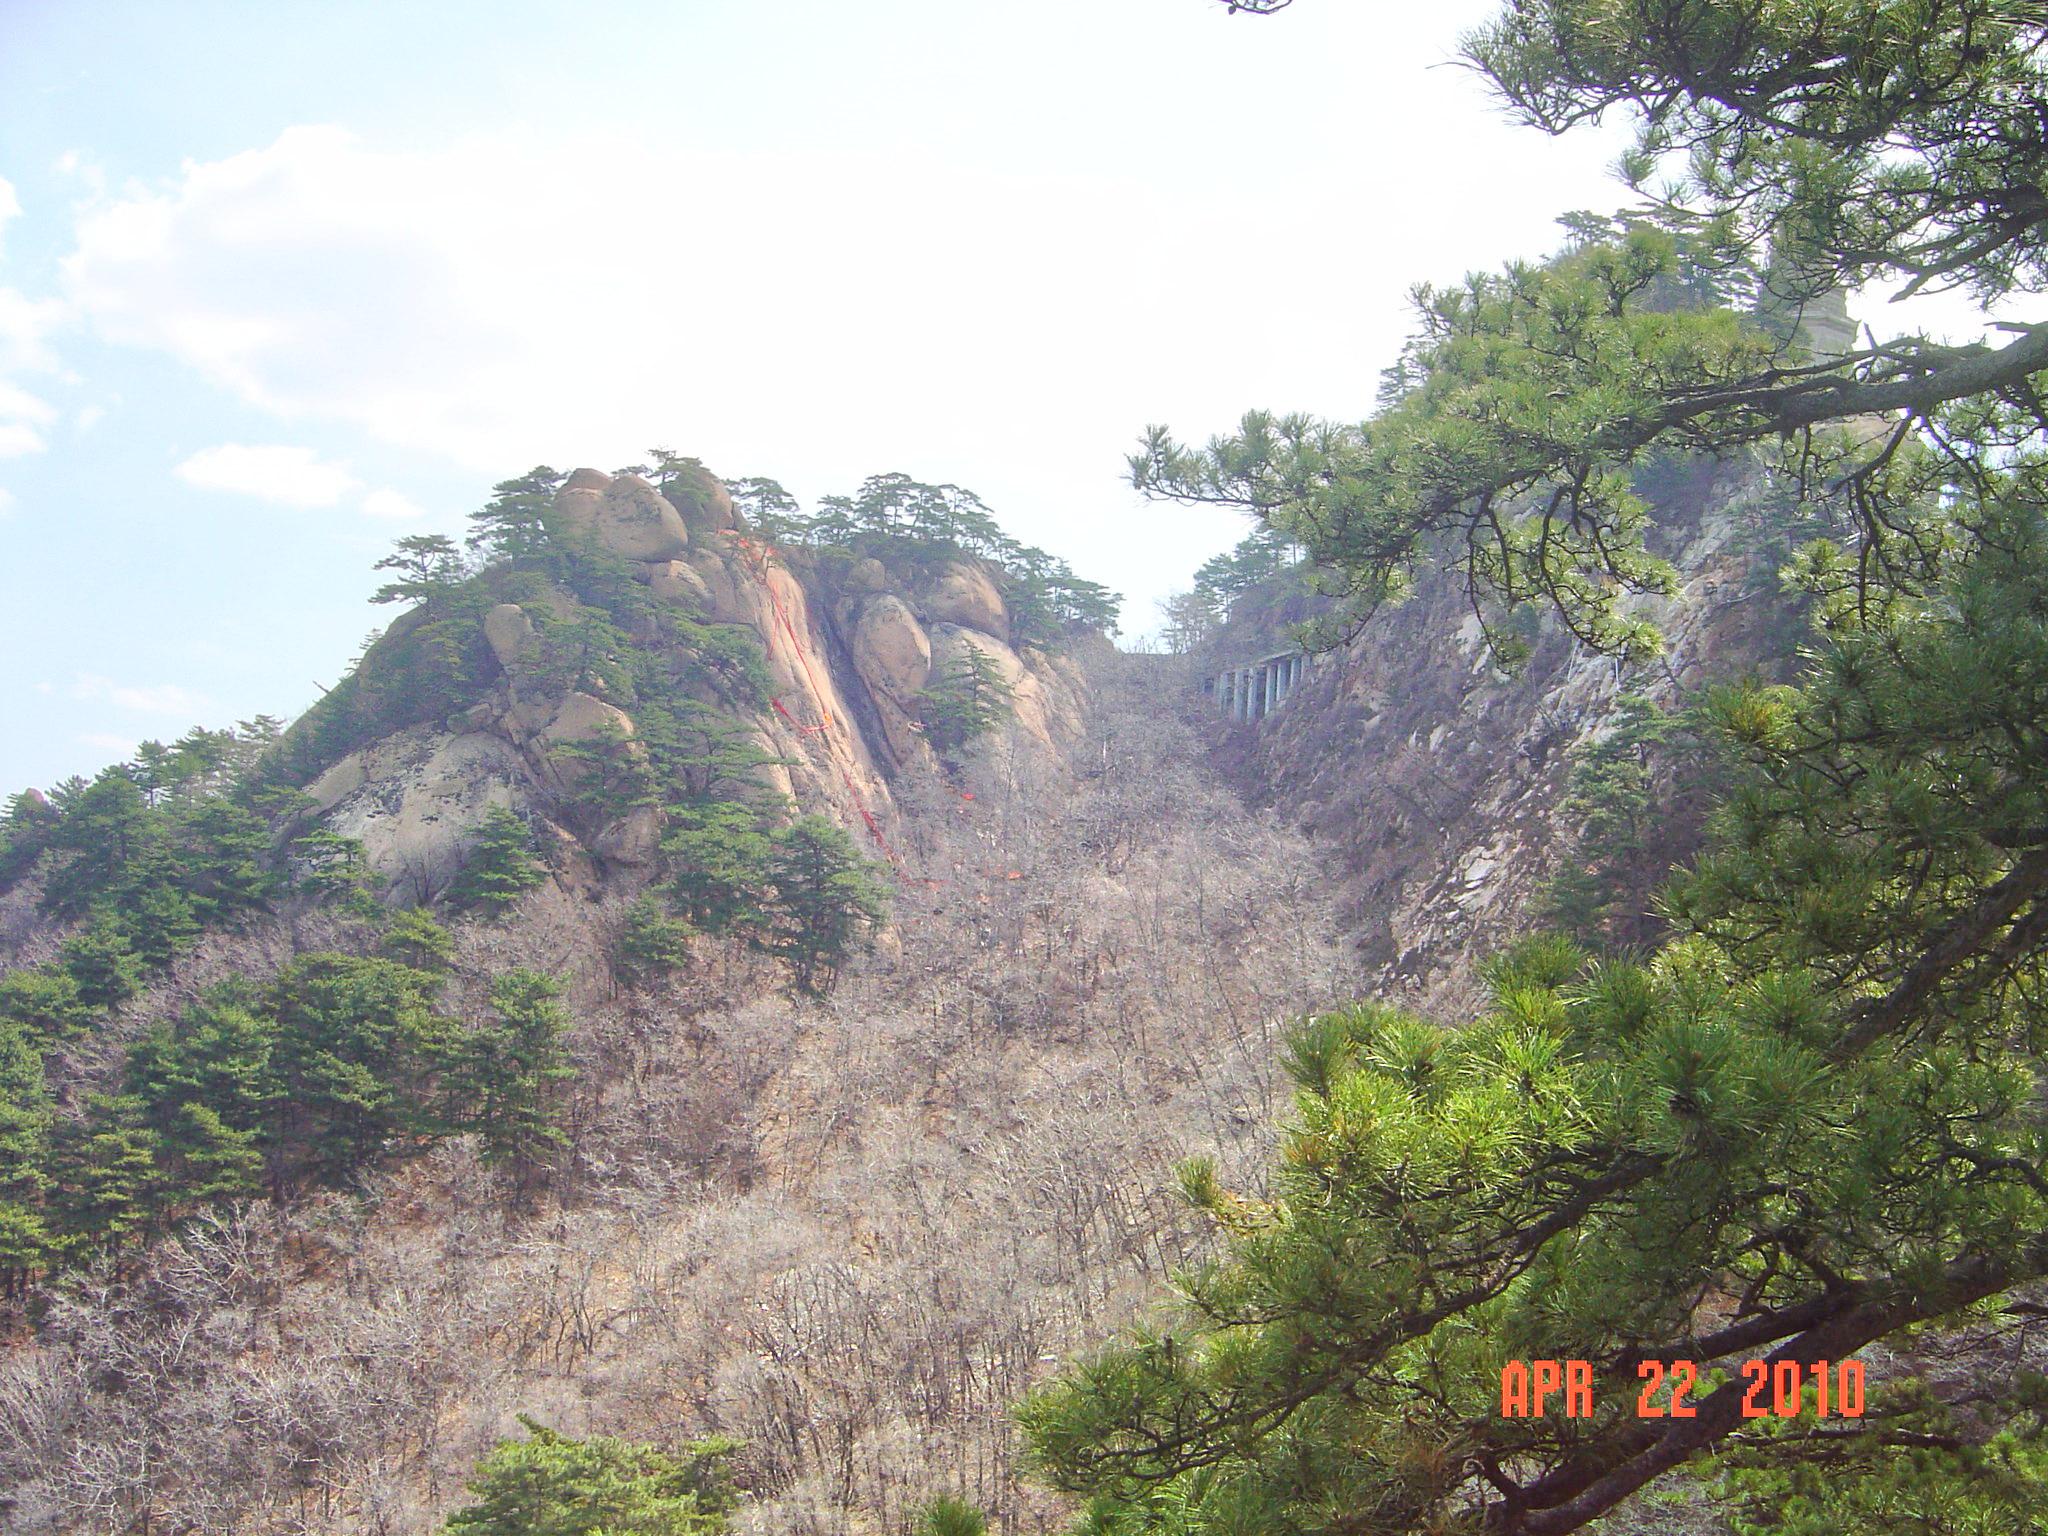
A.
pixel 838 732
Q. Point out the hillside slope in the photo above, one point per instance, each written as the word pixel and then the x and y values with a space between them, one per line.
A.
pixel 847 1229
pixel 1445 787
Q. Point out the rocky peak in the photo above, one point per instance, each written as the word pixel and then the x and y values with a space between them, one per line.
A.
pixel 848 653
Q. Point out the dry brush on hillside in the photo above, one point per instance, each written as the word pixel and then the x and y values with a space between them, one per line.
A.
pixel 848 1232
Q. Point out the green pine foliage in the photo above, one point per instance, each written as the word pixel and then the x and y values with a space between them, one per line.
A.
pixel 718 860
pixel 25 1125
pixel 515 524
pixel 100 963
pixel 104 1184
pixel 1808 1121
pixel 965 699
pixel 1622 809
pixel 700 754
pixel 948 1516
pixel 827 900
pixel 608 773
pixel 908 522
pixel 501 866
pixel 43 1003
pixel 651 944
pixel 357 1049
pixel 1918 1465
pixel 330 867
pixel 803 893
pixel 423 567
pixel 505 1080
pixel 412 937
pixel 1258 557
pixel 551 1485
pixel 340 1064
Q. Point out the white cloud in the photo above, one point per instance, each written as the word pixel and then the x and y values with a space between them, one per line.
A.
pixel 82 168
pixel 388 505
pixel 161 699
pixel 25 327
pixel 826 310
pixel 10 208
pixel 287 476
pixel 88 417
pixel 119 747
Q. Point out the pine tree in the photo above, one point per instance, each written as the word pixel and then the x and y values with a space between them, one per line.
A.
pixel 718 858
pixel 700 753
pixel 948 1516
pixel 651 943
pixel 225 860
pixel 206 1090
pixel 98 960
pixel 514 524
pixel 551 1485
pixel 357 1050
pixel 330 867
pixel 105 1189
pixel 107 834
pixel 506 1076
pixel 424 565
pixel 501 867
pixel 25 1121
pixel 968 697
pixel 1809 1121
pixel 25 833
pixel 43 1002
pixel 155 916
pixel 608 773
pixel 827 900
pixel 412 937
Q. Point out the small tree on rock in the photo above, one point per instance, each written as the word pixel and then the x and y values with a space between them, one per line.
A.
pixel 968 697
pixel 501 866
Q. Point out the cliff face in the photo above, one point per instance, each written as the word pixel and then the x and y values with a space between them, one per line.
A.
pixel 848 651
pixel 1439 783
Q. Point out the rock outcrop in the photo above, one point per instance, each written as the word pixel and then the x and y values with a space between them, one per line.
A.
pixel 623 514
pixel 964 595
pixel 511 635
pixel 414 800
pixel 1439 782
pixel 893 656
pixel 847 659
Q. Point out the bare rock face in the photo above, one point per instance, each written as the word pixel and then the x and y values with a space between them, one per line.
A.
pixel 579 717
pixel 893 657
pixel 964 595
pixel 868 575
pixel 511 635
pixel 677 581
pixel 576 503
pixel 624 514
pixel 635 838
pixel 415 799
pixel 635 522
pixel 1040 704
pixel 890 648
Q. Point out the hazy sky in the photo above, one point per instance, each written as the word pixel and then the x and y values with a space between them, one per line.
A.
pixel 281 282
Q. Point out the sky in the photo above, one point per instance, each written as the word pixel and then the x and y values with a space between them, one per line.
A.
pixel 282 282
